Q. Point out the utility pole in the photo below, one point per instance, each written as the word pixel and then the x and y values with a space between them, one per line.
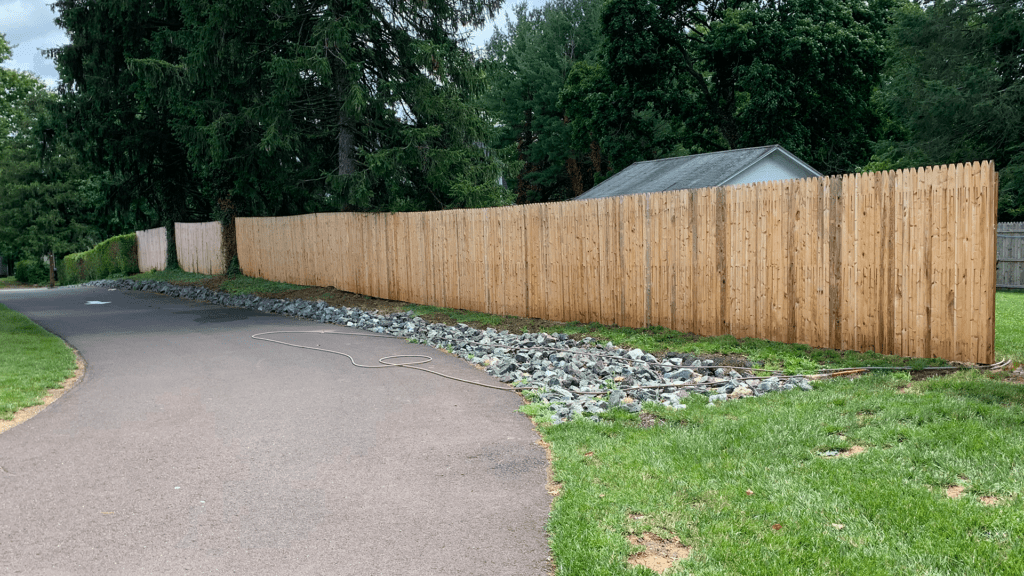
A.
pixel 53 273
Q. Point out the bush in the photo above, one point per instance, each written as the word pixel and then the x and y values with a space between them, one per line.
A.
pixel 31 272
pixel 117 255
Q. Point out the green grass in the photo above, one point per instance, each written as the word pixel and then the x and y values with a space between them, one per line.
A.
pixel 171 275
pixel 1010 325
pixel 8 282
pixel 32 361
pixel 239 284
pixel 689 478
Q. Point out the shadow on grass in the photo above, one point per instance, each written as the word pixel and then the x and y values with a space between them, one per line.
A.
pixel 979 387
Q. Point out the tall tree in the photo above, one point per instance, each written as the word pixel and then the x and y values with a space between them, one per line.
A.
pixel 696 76
pixel 146 177
pixel 528 63
pixel 44 207
pixel 955 87
pixel 294 106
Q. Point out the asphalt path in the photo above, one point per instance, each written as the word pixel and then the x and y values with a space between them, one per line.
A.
pixel 189 447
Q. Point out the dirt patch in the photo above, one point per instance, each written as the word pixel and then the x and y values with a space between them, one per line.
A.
pixel 658 554
pixel 848 453
pixel 648 420
pixel 925 374
pixel 989 500
pixel 553 488
pixel 954 491
pixel 51 397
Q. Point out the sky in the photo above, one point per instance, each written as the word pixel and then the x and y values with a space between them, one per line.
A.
pixel 29 25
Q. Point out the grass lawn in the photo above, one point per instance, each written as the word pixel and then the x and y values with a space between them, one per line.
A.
pixel 32 361
pixel 9 282
pixel 876 475
pixel 1010 325
pixel 750 488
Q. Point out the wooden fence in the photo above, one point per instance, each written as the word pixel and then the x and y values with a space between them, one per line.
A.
pixel 895 262
pixel 1010 255
pixel 199 247
pixel 152 249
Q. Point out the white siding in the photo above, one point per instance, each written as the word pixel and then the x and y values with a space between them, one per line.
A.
pixel 775 166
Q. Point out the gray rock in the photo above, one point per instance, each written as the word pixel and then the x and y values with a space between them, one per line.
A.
pixel 684 374
pixel 562 392
pixel 615 398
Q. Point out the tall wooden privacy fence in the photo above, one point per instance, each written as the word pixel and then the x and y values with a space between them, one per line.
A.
pixel 199 247
pixel 1010 255
pixel 895 262
pixel 152 249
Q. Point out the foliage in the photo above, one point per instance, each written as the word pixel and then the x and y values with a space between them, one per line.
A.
pixel 141 172
pixel 955 90
pixel 31 272
pixel 117 255
pixel 527 65
pixel 202 110
pixel 32 361
pixel 43 205
pixel 687 76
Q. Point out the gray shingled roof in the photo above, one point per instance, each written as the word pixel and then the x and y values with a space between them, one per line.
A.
pixel 685 172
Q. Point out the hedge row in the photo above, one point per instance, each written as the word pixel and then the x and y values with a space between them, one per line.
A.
pixel 117 255
pixel 31 272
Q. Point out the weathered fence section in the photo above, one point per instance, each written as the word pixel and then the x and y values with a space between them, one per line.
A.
pixel 1010 255
pixel 199 247
pixel 152 249
pixel 895 262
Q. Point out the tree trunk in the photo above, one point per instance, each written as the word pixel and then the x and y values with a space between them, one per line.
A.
pixel 346 146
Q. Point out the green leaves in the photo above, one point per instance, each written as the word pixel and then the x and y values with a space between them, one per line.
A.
pixel 280 107
pixel 955 88
pixel 43 206
pixel 729 74
pixel 528 64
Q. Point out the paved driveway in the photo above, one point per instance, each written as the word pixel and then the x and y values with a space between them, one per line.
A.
pixel 190 447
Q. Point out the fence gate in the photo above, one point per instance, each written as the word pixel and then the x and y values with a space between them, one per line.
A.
pixel 1010 255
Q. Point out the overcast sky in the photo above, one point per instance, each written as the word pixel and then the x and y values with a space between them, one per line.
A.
pixel 29 25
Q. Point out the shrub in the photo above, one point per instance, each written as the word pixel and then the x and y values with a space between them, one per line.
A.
pixel 31 272
pixel 117 255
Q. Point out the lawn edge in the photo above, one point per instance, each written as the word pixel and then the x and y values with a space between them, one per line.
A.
pixel 51 396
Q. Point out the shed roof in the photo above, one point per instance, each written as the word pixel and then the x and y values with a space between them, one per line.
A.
pixel 693 171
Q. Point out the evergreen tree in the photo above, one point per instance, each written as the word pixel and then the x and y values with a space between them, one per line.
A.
pixel 279 107
pixel 143 171
pixel 528 64
pixel 955 88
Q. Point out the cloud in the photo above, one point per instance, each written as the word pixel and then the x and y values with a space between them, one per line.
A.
pixel 28 25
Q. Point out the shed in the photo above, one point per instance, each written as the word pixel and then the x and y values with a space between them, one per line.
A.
pixel 728 167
